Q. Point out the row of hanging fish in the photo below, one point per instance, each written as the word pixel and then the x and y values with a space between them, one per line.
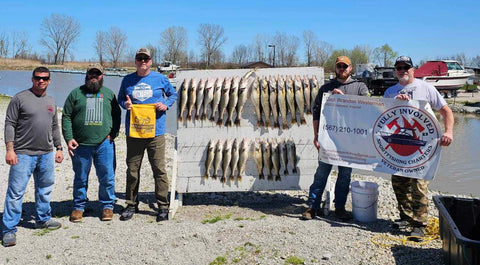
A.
pixel 273 98
pixel 230 157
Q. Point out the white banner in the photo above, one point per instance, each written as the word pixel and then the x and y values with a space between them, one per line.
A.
pixel 380 134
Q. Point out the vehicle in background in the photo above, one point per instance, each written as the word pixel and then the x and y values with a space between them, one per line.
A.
pixel 446 75
pixel 167 66
pixel 377 78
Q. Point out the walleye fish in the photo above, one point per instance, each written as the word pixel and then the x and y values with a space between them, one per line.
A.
pixel 242 162
pixel 281 101
pixel 297 84
pixel 232 103
pixel 199 102
pixel 275 159
pixel 257 157
pixel 192 97
pixel 243 90
pixel 218 158
pixel 267 159
pixel 217 94
pixel 184 99
pixel 272 85
pixel 208 97
pixel 292 154
pixel 306 93
pixel 314 88
pixel 290 92
pixel 227 156
pixel 265 100
pixel 282 148
pixel 235 156
pixel 224 98
pixel 255 98
pixel 210 157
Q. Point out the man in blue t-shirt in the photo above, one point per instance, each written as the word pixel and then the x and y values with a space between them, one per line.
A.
pixel 146 87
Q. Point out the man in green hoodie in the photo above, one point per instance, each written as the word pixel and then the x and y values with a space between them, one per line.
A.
pixel 90 123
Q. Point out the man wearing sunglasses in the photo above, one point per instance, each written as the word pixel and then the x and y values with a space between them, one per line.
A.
pixel 411 193
pixel 342 84
pixel 31 133
pixel 146 87
pixel 90 123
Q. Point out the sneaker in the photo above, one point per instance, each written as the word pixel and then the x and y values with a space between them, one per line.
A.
pixel 417 234
pixel 107 214
pixel 9 239
pixel 50 224
pixel 343 215
pixel 309 214
pixel 162 215
pixel 128 213
pixel 400 224
pixel 76 216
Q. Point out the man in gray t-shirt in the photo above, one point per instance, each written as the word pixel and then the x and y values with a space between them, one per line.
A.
pixel 31 132
pixel 411 193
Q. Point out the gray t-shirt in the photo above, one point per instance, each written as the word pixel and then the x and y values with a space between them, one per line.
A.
pixel 418 90
pixel 31 123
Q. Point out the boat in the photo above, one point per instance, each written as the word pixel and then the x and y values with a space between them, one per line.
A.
pixel 447 76
pixel 405 136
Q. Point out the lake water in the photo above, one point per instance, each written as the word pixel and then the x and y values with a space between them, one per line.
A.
pixel 458 173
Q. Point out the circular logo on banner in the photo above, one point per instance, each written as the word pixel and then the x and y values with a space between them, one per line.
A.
pixel 405 137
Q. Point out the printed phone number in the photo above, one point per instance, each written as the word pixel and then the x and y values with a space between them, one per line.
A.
pixel 344 129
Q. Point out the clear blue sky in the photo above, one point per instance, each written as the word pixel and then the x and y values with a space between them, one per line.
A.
pixel 421 29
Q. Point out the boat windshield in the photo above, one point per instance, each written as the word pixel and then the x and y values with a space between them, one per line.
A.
pixel 454 66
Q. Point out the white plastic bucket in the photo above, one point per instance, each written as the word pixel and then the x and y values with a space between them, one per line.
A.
pixel 364 201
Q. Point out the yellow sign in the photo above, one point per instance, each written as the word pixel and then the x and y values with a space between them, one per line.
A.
pixel 142 121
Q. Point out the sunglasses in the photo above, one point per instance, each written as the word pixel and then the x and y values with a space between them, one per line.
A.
pixel 38 78
pixel 342 66
pixel 146 59
pixel 404 68
pixel 97 73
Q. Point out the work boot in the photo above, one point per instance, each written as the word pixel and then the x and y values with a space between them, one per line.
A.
pixel 400 224
pixel 417 234
pixel 309 214
pixel 50 224
pixel 107 214
pixel 343 215
pixel 76 216
pixel 9 239
pixel 162 215
pixel 128 213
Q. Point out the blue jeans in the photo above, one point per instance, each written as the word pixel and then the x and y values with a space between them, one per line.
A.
pixel 103 157
pixel 342 186
pixel 41 166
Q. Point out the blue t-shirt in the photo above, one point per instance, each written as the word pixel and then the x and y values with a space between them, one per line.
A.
pixel 149 89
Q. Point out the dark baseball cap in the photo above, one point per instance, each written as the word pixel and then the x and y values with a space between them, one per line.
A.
pixel 404 59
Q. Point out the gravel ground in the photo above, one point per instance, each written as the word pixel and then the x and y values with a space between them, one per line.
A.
pixel 210 228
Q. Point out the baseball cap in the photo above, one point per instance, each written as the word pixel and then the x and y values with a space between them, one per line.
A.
pixel 343 59
pixel 404 59
pixel 143 51
pixel 97 66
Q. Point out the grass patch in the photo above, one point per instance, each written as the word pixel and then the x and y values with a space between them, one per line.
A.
pixel 42 232
pixel 216 218
pixel 48 256
pixel 294 260
pixel 219 260
pixel 75 237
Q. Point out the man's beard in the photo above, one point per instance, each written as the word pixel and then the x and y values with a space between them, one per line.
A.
pixel 342 76
pixel 404 79
pixel 92 85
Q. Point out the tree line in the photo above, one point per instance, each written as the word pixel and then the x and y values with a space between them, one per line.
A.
pixel 61 32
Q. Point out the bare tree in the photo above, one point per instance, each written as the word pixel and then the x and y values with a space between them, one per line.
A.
pixel 476 61
pixel 461 58
pixel 19 45
pixel 240 54
pixel 310 41
pixel 384 55
pixel 60 32
pixel 174 41
pixel 211 38
pixel 286 49
pixel 116 43
pixel 259 48
pixel 4 44
pixel 99 45
pixel 321 52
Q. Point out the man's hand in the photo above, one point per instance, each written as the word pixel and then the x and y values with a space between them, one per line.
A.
pixel 403 97
pixel 315 142
pixel 59 156
pixel 447 139
pixel 11 157
pixel 128 103
pixel 160 106
pixel 72 145
pixel 337 91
